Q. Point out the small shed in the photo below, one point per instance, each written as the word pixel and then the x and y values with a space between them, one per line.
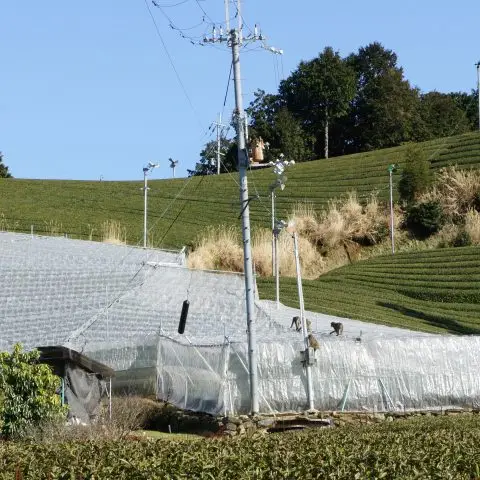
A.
pixel 84 380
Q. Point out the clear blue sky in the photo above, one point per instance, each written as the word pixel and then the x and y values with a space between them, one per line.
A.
pixel 87 89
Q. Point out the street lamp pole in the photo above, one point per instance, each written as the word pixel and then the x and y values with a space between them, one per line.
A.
pixel 278 169
pixel 392 168
pixel 478 91
pixel 146 171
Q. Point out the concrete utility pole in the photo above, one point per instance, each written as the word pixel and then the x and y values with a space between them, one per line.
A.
pixel 244 203
pixel 146 171
pixel 235 39
pixel 478 91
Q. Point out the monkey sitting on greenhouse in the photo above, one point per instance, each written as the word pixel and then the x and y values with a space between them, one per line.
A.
pixel 313 342
pixel 337 328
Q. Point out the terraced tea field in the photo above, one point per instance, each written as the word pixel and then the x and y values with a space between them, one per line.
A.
pixel 432 290
pixel 180 208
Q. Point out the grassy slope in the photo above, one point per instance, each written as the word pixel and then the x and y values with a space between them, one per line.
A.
pixel 432 290
pixel 180 208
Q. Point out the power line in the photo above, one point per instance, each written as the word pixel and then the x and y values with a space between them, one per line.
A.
pixel 172 64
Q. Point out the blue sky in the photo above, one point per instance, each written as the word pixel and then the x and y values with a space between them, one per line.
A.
pixel 87 90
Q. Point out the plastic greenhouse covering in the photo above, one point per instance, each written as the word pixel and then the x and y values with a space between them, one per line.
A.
pixel 121 306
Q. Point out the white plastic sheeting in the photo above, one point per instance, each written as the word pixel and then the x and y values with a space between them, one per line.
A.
pixel 121 306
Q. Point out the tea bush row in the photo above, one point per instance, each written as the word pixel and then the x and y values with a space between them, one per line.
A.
pixel 423 447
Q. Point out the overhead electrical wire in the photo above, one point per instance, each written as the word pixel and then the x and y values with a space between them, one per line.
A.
pixel 187 96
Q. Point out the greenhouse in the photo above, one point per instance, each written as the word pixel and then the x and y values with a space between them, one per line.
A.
pixel 121 306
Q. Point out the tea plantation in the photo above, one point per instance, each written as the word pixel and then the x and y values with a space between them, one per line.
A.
pixel 424 447
pixel 431 290
pixel 180 208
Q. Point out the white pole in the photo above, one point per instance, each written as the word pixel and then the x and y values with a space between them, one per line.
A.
pixel 277 268
pixel 235 39
pixel 218 143
pixel 145 189
pixel 392 233
pixel 273 231
pixel 478 92
pixel 304 324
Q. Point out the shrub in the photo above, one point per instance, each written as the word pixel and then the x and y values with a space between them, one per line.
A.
pixel 416 176
pixel 28 392
pixel 463 239
pixel 424 219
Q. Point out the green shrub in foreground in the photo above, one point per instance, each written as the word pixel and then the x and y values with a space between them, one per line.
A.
pixel 28 392
pixel 424 447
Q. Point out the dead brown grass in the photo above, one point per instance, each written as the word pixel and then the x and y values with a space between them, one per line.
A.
pixel 218 248
pixel 456 190
pixel 113 232
pixel 472 226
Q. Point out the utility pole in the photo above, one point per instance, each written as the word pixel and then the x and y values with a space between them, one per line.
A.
pixel 478 91
pixel 244 203
pixel 235 39
pixel 219 125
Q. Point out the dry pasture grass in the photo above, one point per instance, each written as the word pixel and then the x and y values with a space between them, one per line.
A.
pixel 472 226
pixel 217 249
pixel 129 413
pixel 311 262
pixel 113 232
pixel 455 190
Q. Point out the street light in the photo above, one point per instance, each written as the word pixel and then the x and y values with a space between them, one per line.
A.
pixel 278 169
pixel 146 171
pixel 279 226
pixel 173 164
pixel 478 90
pixel 392 168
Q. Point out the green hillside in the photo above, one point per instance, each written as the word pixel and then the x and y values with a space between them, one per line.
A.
pixel 431 290
pixel 180 208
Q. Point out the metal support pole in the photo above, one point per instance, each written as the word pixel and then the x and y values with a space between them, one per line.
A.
pixel 392 233
pixel 273 232
pixel 303 321
pixel 235 37
pixel 145 189
pixel 478 92
pixel 277 268
pixel 218 143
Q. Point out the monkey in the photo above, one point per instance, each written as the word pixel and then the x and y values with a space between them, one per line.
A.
pixel 337 328
pixel 296 323
pixel 313 342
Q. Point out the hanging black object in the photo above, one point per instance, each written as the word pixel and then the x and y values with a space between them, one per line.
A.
pixel 183 316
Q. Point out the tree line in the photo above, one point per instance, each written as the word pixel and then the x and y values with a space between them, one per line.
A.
pixel 333 105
